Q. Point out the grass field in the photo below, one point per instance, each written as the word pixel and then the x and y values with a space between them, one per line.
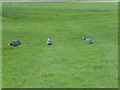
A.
pixel 70 62
pixel 0 45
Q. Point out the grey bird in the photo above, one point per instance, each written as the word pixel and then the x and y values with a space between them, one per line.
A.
pixel 88 40
pixel 49 42
pixel 15 43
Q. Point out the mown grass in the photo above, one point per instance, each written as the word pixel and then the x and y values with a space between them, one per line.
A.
pixel 70 62
pixel 0 45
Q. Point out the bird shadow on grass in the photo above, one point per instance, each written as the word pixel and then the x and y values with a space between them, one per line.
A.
pixel 10 48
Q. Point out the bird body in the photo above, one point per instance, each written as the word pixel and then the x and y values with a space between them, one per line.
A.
pixel 49 42
pixel 88 40
pixel 15 43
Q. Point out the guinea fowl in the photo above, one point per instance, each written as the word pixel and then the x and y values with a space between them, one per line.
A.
pixel 88 40
pixel 15 43
pixel 49 42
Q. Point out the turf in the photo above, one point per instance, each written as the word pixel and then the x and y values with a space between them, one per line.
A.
pixel 0 45
pixel 70 62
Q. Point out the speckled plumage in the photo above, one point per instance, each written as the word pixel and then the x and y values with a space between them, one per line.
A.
pixel 49 42
pixel 15 43
pixel 88 40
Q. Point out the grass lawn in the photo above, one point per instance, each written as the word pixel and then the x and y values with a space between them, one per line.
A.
pixel 0 45
pixel 70 62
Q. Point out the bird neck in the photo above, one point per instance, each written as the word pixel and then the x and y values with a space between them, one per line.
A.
pixel 84 38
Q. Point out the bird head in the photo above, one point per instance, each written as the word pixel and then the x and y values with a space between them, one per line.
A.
pixel 10 44
pixel 83 38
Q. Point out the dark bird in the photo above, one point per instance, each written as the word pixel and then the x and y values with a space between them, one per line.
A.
pixel 49 42
pixel 15 43
pixel 88 40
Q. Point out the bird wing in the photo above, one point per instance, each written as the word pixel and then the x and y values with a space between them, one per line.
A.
pixel 16 42
pixel 49 41
pixel 89 40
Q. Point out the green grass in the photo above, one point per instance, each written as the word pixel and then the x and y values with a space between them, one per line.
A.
pixel 0 45
pixel 70 62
